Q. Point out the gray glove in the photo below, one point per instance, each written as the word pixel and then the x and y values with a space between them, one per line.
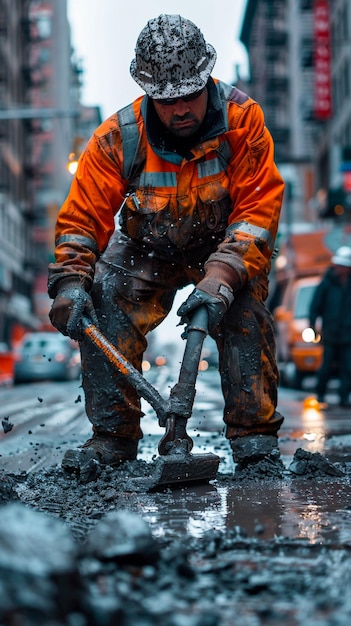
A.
pixel 68 308
pixel 216 307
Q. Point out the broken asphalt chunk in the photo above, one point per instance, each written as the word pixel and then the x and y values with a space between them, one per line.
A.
pixel 7 426
pixel 311 463
pixel 123 536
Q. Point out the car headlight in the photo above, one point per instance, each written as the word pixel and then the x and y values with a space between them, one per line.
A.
pixel 310 336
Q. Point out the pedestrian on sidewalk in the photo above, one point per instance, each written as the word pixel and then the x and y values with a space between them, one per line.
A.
pixel 189 168
pixel 332 303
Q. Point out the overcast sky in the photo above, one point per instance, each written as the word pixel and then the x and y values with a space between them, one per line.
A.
pixel 104 33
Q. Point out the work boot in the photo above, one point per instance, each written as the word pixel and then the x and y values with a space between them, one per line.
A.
pixel 250 449
pixel 106 450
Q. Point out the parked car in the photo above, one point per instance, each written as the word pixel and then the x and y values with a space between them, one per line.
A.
pixel 47 355
pixel 6 364
pixel 297 357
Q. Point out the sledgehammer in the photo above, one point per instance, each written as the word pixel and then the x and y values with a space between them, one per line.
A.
pixel 175 465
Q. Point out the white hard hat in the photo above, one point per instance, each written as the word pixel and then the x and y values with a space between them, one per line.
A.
pixel 172 58
pixel 342 256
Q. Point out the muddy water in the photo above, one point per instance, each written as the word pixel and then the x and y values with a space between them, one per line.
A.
pixel 314 509
pixel 316 512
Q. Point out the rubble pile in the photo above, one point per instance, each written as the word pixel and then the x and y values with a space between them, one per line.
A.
pixel 125 576
pixel 75 551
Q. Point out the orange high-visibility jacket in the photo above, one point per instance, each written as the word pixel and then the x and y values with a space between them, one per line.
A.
pixel 223 196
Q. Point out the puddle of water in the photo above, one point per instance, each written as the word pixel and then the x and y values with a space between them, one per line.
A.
pixel 192 511
pixel 300 509
pixel 313 510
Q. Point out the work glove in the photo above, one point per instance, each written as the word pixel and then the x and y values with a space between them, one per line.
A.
pixel 216 307
pixel 214 291
pixel 68 308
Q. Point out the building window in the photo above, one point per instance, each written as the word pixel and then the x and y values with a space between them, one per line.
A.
pixel 44 26
pixel 45 55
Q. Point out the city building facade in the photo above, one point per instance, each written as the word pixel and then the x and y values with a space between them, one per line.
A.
pixel 40 120
pixel 300 71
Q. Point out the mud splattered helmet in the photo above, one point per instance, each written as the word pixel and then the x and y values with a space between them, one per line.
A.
pixel 172 58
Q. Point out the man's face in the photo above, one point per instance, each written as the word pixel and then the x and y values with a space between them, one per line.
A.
pixel 183 117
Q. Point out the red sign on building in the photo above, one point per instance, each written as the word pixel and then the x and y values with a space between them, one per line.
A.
pixel 322 60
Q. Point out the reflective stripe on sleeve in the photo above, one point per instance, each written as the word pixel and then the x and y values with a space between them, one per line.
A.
pixel 250 229
pixel 81 241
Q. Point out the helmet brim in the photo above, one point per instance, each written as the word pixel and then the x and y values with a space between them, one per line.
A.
pixel 338 260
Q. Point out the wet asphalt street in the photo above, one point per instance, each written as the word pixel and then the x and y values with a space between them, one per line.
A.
pixel 48 418
pixel 229 553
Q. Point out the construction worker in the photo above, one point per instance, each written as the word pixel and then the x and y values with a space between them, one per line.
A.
pixel 332 303
pixel 189 169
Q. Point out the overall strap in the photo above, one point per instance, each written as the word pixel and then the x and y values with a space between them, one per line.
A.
pixel 130 139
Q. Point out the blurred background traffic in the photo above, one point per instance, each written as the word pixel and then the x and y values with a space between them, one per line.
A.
pixel 298 68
